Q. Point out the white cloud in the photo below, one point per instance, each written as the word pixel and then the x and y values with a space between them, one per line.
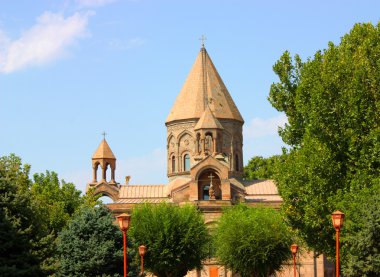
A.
pixel 44 42
pixel 259 127
pixel 94 3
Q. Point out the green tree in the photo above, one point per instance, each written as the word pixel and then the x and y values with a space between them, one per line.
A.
pixel 361 233
pixel 332 102
pixel 56 202
pixel 91 245
pixel 176 238
pixel 18 224
pixel 252 241
pixel 261 168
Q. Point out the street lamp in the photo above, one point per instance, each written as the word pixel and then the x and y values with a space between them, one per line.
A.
pixel 337 219
pixel 294 249
pixel 142 250
pixel 123 220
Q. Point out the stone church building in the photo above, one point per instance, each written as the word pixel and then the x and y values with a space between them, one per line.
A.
pixel 204 163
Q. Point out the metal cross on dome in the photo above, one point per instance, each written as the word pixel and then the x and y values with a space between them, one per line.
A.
pixel 203 38
pixel 104 134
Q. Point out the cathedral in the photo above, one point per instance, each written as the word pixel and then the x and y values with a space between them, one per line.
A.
pixel 204 163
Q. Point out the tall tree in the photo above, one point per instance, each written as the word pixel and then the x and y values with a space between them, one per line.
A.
pixel 55 202
pixel 91 245
pixel 332 102
pixel 19 228
pixel 176 238
pixel 252 241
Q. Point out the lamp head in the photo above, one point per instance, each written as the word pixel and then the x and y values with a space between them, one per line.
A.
pixel 124 220
pixel 142 250
pixel 337 219
pixel 294 248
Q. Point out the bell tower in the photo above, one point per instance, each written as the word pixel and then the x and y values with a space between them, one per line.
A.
pixel 103 158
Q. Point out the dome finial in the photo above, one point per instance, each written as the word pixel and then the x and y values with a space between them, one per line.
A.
pixel 104 135
pixel 203 38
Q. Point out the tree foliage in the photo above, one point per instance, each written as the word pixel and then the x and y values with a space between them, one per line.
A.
pixel 176 238
pixel 261 168
pixel 332 102
pixel 32 212
pixel 91 245
pixel 55 204
pixel 361 235
pixel 252 241
pixel 57 200
pixel 18 224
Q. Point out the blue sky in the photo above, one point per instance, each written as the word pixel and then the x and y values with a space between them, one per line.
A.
pixel 70 70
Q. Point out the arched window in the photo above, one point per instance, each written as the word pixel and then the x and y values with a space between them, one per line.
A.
pixel 186 162
pixel 206 194
pixel 236 162
pixel 173 164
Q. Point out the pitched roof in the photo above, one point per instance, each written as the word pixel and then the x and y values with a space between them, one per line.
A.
pixel 203 87
pixel 261 187
pixel 142 191
pixel 104 151
pixel 208 121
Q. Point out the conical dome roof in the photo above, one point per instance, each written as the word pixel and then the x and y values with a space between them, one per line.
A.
pixel 104 151
pixel 203 87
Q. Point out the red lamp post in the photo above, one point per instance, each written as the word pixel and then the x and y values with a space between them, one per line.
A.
pixel 142 250
pixel 337 219
pixel 294 249
pixel 124 220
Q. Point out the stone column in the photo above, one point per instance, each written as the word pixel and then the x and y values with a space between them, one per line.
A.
pixel 112 175
pixel 104 169
pixel 94 171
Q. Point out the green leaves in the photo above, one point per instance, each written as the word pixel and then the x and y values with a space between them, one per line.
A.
pixel 261 168
pixel 333 107
pixel 91 245
pixel 252 241
pixel 176 238
pixel 18 223
pixel 32 214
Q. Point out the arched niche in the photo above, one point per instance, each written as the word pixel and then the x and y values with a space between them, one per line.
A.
pixel 209 185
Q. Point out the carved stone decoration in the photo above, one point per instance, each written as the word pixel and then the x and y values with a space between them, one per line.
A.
pixel 211 192
pixel 186 142
pixel 183 126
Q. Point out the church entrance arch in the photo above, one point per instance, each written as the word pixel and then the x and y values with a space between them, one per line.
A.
pixel 209 187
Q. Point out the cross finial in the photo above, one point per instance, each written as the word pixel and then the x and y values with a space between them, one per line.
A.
pixel 211 176
pixel 104 134
pixel 203 38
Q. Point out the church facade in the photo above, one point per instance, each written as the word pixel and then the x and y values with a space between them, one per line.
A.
pixel 204 163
